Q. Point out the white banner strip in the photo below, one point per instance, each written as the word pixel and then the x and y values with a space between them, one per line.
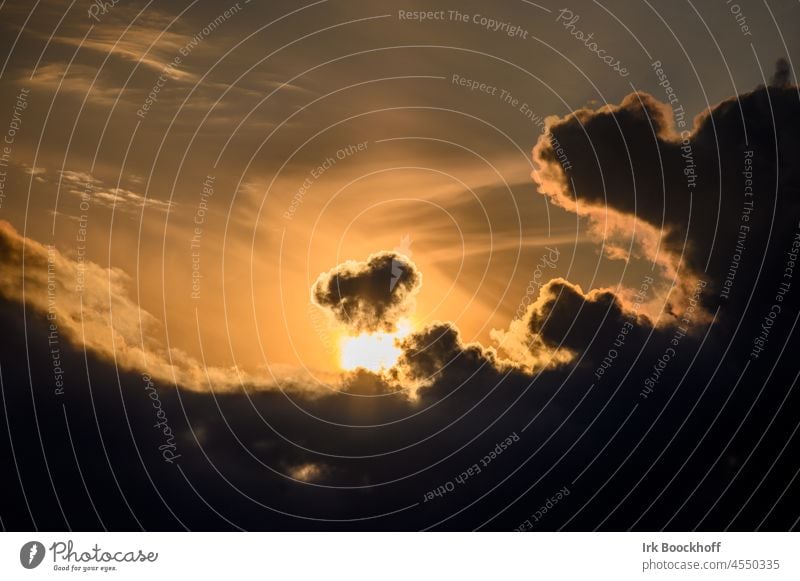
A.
pixel 400 556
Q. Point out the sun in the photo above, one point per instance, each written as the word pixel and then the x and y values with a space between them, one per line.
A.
pixel 373 351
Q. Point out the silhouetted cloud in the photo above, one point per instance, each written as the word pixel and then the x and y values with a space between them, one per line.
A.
pixel 371 295
pixel 782 75
pixel 564 316
pixel 677 193
pixel 435 355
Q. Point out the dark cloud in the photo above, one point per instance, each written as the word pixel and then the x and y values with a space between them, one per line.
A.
pixel 260 460
pixel 281 461
pixel 565 317
pixel 604 148
pixel 371 295
pixel 437 352
pixel 782 75
pixel 680 191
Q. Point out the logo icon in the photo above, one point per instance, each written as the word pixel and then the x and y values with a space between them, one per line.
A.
pixel 31 554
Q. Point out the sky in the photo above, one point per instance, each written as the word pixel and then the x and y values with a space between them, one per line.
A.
pixel 399 266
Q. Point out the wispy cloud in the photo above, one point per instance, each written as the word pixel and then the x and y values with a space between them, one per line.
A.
pixel 125 200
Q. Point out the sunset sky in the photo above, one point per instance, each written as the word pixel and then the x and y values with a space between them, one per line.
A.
pixel 351 247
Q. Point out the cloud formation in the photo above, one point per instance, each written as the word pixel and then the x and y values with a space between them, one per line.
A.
pixel 782 75
pixel 683 196
pixel 372 295
pixel 565 316
pixel 90 306
pixel 435 358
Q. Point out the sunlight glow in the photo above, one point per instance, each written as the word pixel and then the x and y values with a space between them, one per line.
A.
pixel 373 351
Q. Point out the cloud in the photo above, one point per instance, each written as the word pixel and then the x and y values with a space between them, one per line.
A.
pixel 127 200
pixel 565 322
pixel 145 37
pixel 153 48
pixel 565 316
pixel 306 472
pixel 435 357
pixel 605 152
pixel 782 75
pixel 372 295
pixel 83 184
pixel 90 307
pixel 75 79
pixel 675 193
